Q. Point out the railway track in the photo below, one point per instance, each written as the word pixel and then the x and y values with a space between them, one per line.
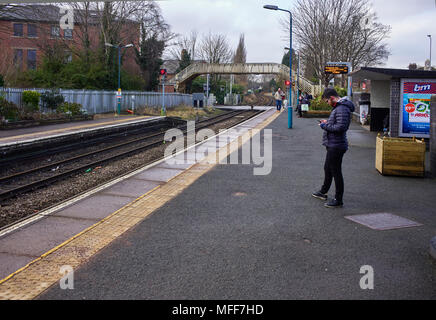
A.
pixel 18 183
pixel 259 99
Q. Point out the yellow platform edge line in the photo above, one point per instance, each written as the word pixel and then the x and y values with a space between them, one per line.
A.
pixel 232 146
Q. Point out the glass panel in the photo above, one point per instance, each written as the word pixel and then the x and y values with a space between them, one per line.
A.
pixel 18 57
pixel 31 30
pixel 18 29
pixel 31 59
pixel 55 31
pixel 68 33
pixel 68 57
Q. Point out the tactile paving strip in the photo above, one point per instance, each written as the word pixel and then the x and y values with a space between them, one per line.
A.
pixel 36 277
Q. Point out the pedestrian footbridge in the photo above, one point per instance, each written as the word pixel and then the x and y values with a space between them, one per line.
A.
pixel 196 69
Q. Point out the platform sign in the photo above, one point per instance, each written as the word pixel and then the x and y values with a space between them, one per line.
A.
pixel 336 69
pixel 119 94
pixel 415 107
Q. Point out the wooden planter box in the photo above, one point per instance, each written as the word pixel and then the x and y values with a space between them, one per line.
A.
pixel 400 156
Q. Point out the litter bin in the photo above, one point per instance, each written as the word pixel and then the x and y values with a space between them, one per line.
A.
pixel 364 107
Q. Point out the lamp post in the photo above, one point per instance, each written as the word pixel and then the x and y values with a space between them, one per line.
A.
pixel 119 47
pixel 271 7
pixel 429 35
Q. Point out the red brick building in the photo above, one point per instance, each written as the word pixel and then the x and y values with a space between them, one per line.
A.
pixel 28 33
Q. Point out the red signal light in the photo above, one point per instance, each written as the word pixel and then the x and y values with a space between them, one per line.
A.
pixel 287 83
pixel 163 72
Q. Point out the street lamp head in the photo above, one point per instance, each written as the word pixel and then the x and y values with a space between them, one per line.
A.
pixel 270 7
pixel 128 46
pixel 108 45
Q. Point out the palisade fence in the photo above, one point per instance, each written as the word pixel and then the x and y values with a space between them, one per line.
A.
pixel 96 101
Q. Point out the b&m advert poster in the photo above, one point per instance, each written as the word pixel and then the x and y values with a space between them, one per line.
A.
pixel 416 97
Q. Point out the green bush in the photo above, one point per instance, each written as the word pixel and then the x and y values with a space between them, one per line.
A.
pixel 71 108
pixel 319 104
pixel 52 99
pixel 342 92
pixel 31 100
pixel 9 110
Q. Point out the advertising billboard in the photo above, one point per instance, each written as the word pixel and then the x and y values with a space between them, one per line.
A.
pixel 415 107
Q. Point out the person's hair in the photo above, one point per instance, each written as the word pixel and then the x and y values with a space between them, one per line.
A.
pixel 329 92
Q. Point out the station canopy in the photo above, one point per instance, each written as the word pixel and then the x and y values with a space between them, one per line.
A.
pixel 388 74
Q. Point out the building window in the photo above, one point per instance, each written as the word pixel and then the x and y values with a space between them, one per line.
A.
pixel 68 34
pixel 68 57
pixel 55 31
pixel 18 57
pixel 31 30
pixel 18 29
pixel 31 59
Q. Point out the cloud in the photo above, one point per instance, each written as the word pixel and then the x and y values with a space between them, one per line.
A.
pixel 263 34
pixel 410 21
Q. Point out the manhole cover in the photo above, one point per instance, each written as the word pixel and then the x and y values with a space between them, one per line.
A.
pixel 383 221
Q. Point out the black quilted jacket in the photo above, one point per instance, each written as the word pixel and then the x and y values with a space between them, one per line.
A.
pixel 335 130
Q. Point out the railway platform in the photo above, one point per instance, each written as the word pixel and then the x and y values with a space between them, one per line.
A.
pixel 27 241
pixel 200 230
pixel 29 135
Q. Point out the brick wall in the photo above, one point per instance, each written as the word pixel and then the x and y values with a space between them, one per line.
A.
pixel 9 43
pixel 394 119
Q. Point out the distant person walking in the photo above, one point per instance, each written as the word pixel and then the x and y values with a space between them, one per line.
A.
pixel 336 143
pixel 278 97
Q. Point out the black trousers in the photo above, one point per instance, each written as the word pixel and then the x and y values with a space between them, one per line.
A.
pixel 333 170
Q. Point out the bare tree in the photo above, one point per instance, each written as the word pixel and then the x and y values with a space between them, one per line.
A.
pixel 338 30
pixel 188 43
pixel 214 48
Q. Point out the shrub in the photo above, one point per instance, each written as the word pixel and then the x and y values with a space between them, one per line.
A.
pixel 52 99
pixel 71 108
pixel 9 110
pixel 31 100
pixel 319 104
pixel 342 92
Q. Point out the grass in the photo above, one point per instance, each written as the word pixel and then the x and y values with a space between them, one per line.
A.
pixel 183 112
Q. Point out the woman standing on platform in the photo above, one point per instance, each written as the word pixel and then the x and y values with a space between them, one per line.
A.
pixel 278 97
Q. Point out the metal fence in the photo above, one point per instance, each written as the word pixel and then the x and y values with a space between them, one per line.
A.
pixel 95 101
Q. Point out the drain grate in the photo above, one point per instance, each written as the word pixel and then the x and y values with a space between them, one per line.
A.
pixel 383 221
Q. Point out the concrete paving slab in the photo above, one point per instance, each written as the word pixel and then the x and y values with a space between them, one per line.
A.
pixel 38 238
pixel 11 263
pixel 158 174
pixel 132 188
pixel 95 207
pixel 166 165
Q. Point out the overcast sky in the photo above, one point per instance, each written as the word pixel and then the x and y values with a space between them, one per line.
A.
pixel 411 22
